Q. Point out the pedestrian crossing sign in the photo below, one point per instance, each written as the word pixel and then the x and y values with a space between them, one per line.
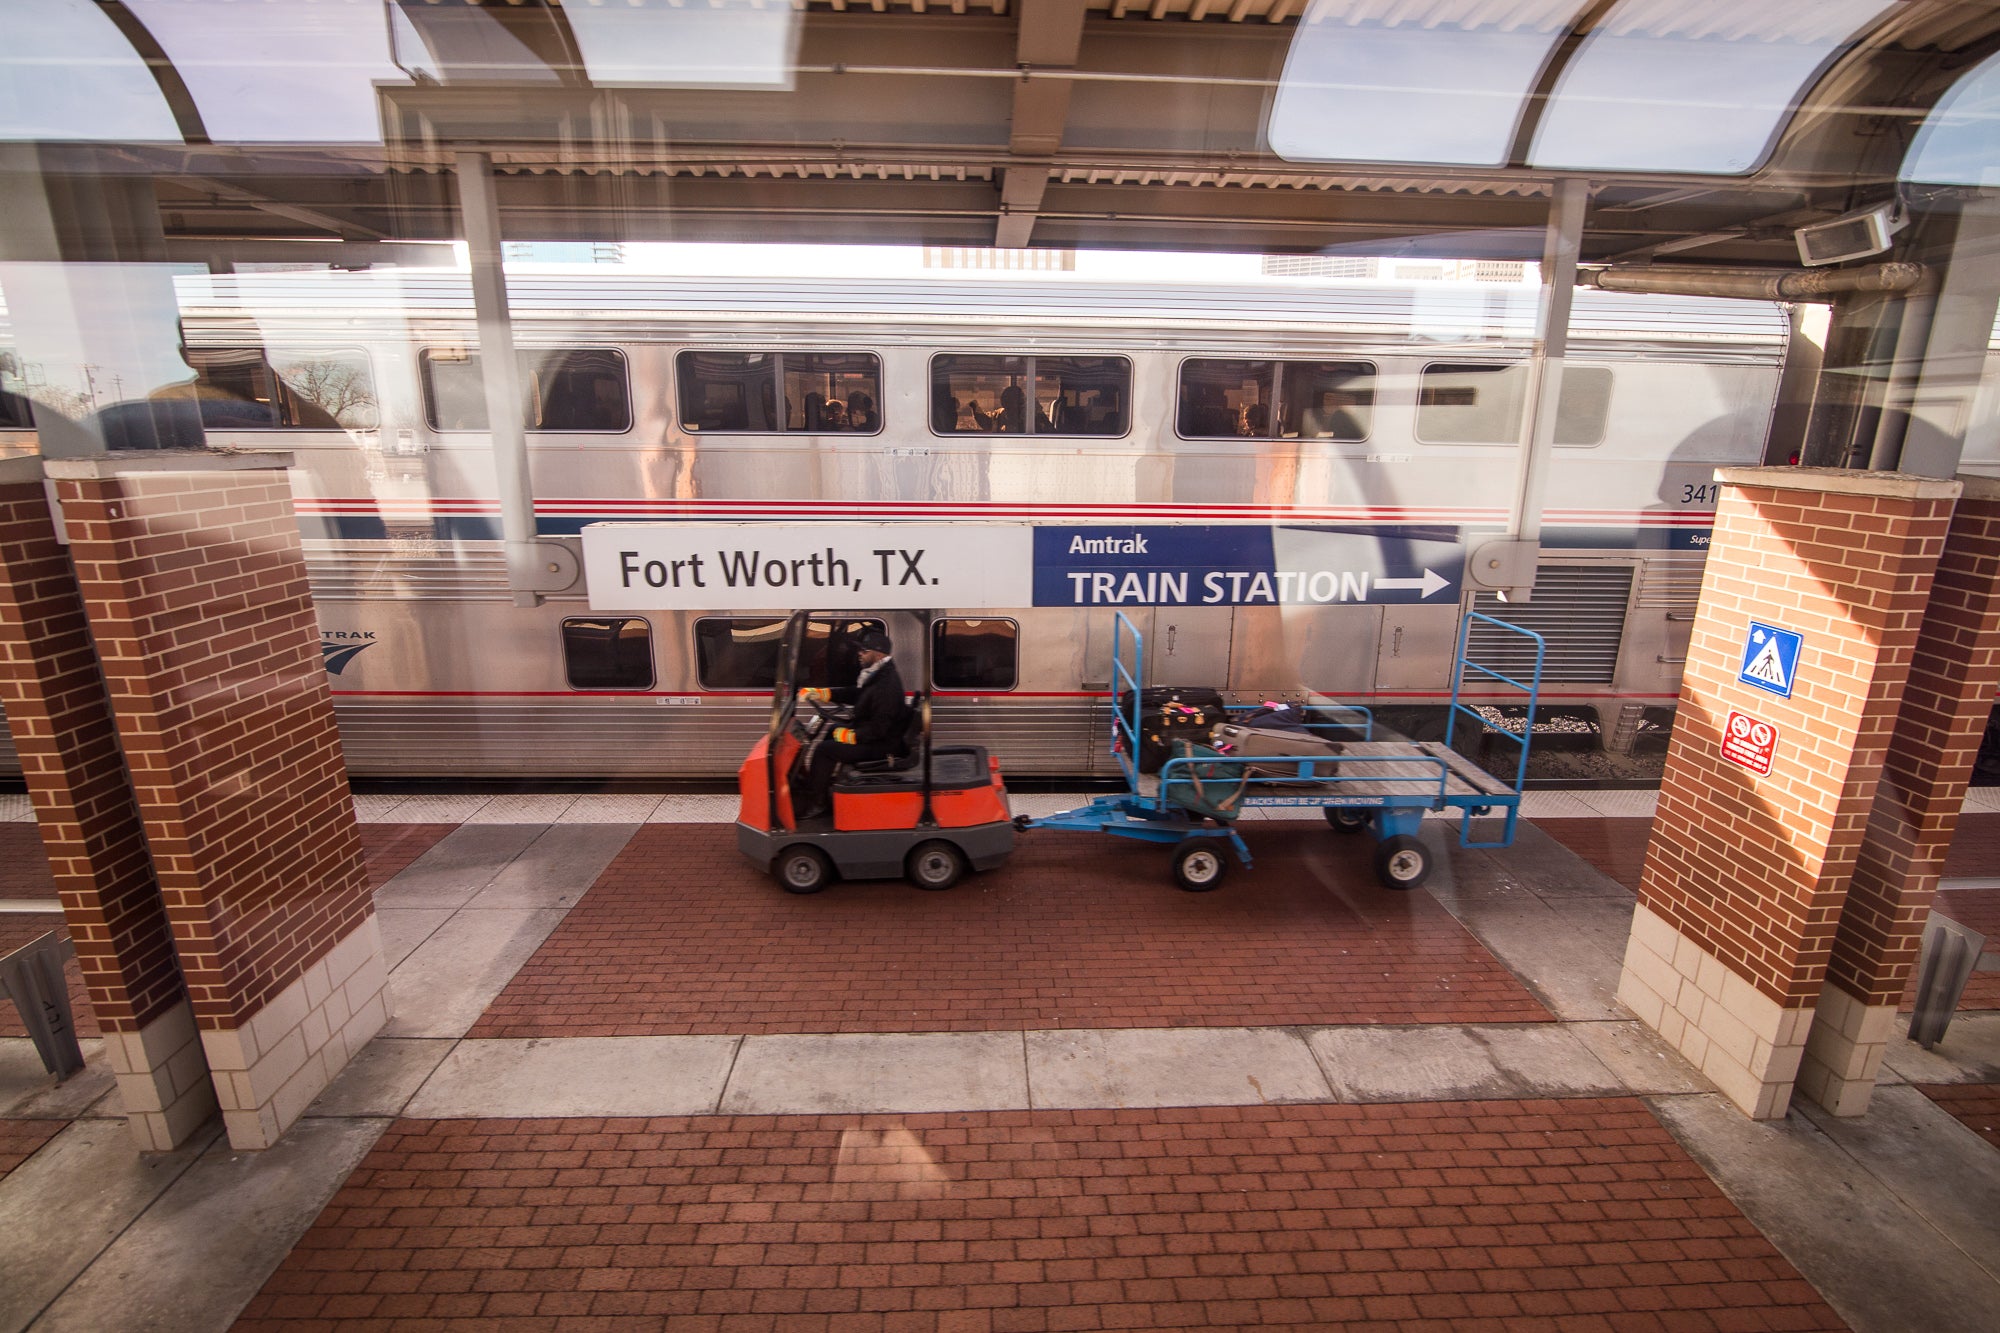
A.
pixel 1771 659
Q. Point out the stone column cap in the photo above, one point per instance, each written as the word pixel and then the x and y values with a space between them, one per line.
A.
pixel 1843 481
pixel 133 464
pixel 21 468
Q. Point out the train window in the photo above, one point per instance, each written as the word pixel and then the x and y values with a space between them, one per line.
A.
pixel 725 392
pixel 570 389
pixel 741 653
pixel 1327 400
pixel 250 388
pixel 1029 395
pixel 974 654
pixel 1222 399
pixel 970 394
pixel 607 653
pixel 1081 395
pixel 1265 400
pixel 1481 403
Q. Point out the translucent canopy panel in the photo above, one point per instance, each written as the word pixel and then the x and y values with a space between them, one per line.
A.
pixel 279 71
pixel 1691 85
pixel 67 73
pixel 670 43
pixel 1402 81
pixel 1959 143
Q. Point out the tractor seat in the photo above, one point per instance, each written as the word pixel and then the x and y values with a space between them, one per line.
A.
pixel 953 766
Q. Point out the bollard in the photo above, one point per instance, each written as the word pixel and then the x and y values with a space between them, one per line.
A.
pixel 1950 954
pixel 32 976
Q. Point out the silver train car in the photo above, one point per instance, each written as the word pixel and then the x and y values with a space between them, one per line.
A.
pixel 1383 412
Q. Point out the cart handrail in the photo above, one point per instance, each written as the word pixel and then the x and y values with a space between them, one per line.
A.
pixel 1123 729
pixel 1533 689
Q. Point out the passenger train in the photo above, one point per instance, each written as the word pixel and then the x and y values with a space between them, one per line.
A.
pixel 1373 412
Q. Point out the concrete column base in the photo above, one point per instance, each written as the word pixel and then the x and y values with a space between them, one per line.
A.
pixel 163 1080
pixel 268 1070
pixel 1744 1041
pixel 1844 1051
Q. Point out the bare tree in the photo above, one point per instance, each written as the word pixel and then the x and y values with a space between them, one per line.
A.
pixel 339 387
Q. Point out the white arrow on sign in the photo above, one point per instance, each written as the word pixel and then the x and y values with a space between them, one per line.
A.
pixel 1430 582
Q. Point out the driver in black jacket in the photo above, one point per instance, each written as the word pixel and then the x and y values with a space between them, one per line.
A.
pixel 876 732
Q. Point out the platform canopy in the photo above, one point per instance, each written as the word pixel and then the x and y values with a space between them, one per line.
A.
pixel 1706 129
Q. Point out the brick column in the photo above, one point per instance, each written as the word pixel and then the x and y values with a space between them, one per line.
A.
pixel 61 719
pixel 1747 873
pixel 1953 677
pixel 195 584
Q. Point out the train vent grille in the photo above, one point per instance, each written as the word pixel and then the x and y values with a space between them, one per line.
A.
pixel 1579 610
pixel 1671 582
pixel 464 573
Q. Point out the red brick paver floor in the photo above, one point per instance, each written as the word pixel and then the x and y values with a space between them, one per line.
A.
pixel 1976 1105
pixel 1580 1214
pixel 681 935
pixel 21 1139
pixel 19 929
pixel 389 848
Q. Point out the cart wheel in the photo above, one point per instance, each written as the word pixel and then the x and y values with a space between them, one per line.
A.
pixel 1198 866
pixel 934 865
pixel 803 869
pixel 1346 819
pixel 1402 862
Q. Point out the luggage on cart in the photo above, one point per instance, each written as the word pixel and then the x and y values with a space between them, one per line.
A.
pixel 1237 740
pixel 1168 713
pixel 1211 789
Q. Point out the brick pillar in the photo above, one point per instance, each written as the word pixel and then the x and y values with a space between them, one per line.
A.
pixel 61 720
pixel 195 584
pixel 1747 873
pixel 1953 677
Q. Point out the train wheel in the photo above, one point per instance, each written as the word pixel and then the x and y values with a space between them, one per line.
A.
pixel 1402 862
pixel 1346 819
pixel 935 865
pixel 1198 867
pixel 803 869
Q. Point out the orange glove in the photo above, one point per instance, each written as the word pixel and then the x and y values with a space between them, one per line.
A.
pixel 845 735
pixel 811 692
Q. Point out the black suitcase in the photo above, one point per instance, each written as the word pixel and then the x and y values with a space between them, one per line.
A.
pixel 1168 713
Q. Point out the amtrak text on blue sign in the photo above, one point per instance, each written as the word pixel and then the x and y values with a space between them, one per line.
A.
pixel 1224 565
pixel 1770 658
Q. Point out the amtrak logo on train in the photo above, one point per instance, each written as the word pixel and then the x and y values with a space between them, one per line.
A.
pixel 338 647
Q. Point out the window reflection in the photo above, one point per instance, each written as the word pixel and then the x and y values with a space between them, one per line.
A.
pixel 1702 86
pixel 66 72
pixel 1367 84
pixel 1960 141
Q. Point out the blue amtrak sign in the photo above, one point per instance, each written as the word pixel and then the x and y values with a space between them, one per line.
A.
pixel 1234 565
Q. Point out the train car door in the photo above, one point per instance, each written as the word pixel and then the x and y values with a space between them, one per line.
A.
pixel 1188 645
pixel 1297 650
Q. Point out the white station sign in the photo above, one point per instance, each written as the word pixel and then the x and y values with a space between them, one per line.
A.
pixel 828 566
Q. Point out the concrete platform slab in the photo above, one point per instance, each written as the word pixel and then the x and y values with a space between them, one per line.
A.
pixel 1875 1259
pixel 1172 1067
pixel 441 989
pixel 381 1080
pixel 404 928
pixel 460 865
pixel 579 1076
pixel 1459 1063
pixel 557 868
pixel 522 809
pixel 1943 1170
pixel 1569 956
pixel 62 1207
pixel 865 1072
pixel 1646 1065
pixel 1969 1053
pixel 612 808
pixel 214 1235
pixel 30 1092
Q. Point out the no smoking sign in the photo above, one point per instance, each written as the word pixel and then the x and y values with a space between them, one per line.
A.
pixel 1749 742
